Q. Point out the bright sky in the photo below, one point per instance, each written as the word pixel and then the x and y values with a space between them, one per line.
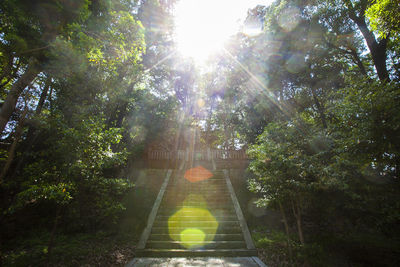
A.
pixel 202 26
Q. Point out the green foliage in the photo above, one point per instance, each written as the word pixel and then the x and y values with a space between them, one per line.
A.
pixel 100 248
pixel 270 240
pixel 274 250
pixel 384 17
pixel 292 158
pixel 95 110
pixel 322 131
pixel 374 121
pixel 69 173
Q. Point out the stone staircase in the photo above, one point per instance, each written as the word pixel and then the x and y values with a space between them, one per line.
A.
pixel 196 218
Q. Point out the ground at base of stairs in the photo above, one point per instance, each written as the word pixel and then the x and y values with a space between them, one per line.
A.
pixel 206 261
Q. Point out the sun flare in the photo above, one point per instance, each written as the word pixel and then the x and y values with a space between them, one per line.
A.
pixel 203 26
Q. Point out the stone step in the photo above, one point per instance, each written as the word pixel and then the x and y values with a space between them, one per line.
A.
pixel 201 204
pixel 217 206
pixel 195 224
pixel 203 193
pixel 198 184
pixel 197 218
pixel 206 193
pixel 197 188
pixel 196 244
pixel 208 205
pixel 201 183
pixel 210 199
pixel 216 177
pixel 173 206
pixel 186 210
pixel 220 230
pixel 182 180
pixel 206 196
pixel 217 237
pixel 222 237
pixel 210 188
pixel 164 253
pixel 216 212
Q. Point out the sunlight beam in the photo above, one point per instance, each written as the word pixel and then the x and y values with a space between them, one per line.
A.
pixel 203 26
pixel 258 83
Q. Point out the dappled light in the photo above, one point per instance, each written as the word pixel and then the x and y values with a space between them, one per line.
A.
pixel 257 211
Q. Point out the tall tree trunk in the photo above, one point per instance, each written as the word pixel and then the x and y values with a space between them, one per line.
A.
pixel 320 108
pixel 50 245
pixel 357 60
pixel 31 136
pixel 285 222
pixel 297 214
pixel 11 153
pixel 7 72
pixel 39 107
pixel 43 96
pixel 377 50
pixel 11 100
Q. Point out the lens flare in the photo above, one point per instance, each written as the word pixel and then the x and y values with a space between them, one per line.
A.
pixel 193 227
pixel 201 30
pixel 289 18
pixel 197 174
pixel 295 63
pixel 200 103
pixel 192 238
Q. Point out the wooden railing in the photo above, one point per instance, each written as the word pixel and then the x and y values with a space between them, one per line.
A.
pixel 207 154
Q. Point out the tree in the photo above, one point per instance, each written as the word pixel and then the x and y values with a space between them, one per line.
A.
pixel 30 28
pixel 63 162
pixel 307 95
